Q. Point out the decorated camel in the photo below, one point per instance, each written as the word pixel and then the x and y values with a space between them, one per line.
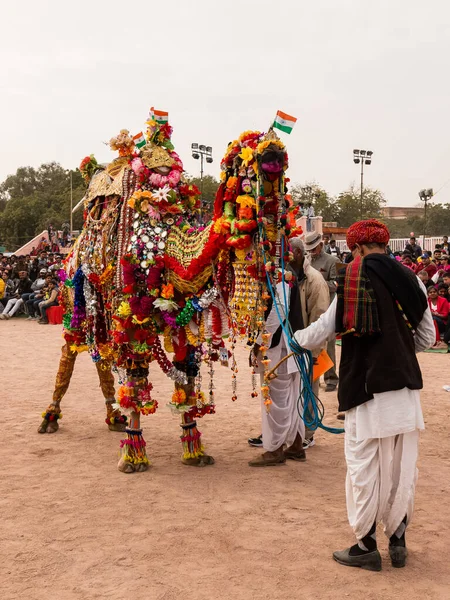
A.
pixel 145 281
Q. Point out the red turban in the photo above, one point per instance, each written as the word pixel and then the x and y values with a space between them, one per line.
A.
pixel 370 231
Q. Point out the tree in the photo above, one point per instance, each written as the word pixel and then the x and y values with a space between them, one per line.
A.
pixel 33 198
pixel 349 205
pixel 210 187
pixel 324 205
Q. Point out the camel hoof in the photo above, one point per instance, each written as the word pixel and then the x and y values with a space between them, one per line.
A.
pixel 117 426
pixel 126 467
pixel 200 461
pixel 48 426
pixel 43 427
pixel 52 427
pixel 141 467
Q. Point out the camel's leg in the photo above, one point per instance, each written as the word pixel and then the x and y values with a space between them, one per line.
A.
pixel 65 370
pixel 194 454
pixel 114 418
pixel 133 455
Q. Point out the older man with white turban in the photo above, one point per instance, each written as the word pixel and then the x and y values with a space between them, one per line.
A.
pixel 381 311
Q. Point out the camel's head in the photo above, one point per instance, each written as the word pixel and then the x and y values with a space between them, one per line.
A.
pixel 255 157
pixel 253 187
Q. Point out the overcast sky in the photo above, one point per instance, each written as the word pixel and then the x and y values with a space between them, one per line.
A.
pixel 372 75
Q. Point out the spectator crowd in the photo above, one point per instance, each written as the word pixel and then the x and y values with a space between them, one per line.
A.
pixel 29 285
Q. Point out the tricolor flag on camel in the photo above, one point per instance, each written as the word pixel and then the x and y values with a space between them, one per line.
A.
pixel 139 140
pixel 159 115
pixel 284 122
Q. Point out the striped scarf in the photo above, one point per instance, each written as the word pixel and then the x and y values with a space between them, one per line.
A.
pixel 356 304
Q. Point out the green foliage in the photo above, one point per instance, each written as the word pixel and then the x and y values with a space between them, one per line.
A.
pixel 33 198
pixel 349 205
pixel 324 205
pixel 438 223
pixel 210 187
pixel 345 209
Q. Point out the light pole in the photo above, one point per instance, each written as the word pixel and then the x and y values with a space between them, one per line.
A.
pixel 71 204
pixel 425 196
pixel 365 158
pixel 200 151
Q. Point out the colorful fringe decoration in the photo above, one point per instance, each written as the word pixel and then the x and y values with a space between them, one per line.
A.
pixel 51 416
pixel 191 438
pixel 133 448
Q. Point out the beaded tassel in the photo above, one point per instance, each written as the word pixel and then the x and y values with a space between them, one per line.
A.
pixel 234 368
pixel 211 374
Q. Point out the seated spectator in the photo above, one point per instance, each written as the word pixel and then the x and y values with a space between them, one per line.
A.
pixel 35 287
pixel 437 255
pixel 423 276
pixel 51 300
pixel 439 309
pixel 445 246
pixel 43 260
pixel 33 271
pixel 426 265
pixel 32 305
pixel 443 291
pixel 445 263
pixel 414 249
pixel 446 279
pixel 16 302
pixel 407 261
pixel 56 266
pixel 3 280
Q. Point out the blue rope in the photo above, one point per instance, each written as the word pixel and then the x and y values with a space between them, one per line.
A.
pixel 309 406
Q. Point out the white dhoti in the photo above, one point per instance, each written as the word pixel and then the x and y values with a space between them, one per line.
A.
pixel 282 423
pixel 381 440
pixel 381 454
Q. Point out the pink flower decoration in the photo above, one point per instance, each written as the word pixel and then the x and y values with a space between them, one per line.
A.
pixel 137 165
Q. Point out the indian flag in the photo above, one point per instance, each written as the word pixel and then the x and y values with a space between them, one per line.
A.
pixel 139 140
pixel 284 122
pixel 159 115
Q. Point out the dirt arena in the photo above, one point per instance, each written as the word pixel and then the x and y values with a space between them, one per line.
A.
pixel 74 528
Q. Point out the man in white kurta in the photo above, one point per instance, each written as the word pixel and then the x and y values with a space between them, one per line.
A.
pixel 381 448
pixel 282 425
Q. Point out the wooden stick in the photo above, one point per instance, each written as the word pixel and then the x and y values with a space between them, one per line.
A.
pixel 271 374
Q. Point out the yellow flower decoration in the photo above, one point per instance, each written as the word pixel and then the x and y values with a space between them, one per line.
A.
pixel 179 396
pixel 240 254
pixel 139 322
pixel 219 227
pixel 124 310
pixel 246 155
pixel 246 201
pixel 107 273
pixel 263 145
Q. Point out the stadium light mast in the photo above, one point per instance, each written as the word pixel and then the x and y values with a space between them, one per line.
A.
pixel 425 196
pixel 202 152
pixel 362 157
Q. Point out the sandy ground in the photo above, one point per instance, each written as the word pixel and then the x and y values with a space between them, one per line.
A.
pixel 73 527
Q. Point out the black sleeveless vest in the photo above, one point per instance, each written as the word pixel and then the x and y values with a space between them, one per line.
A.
pixel 294 314
pixel 378 363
